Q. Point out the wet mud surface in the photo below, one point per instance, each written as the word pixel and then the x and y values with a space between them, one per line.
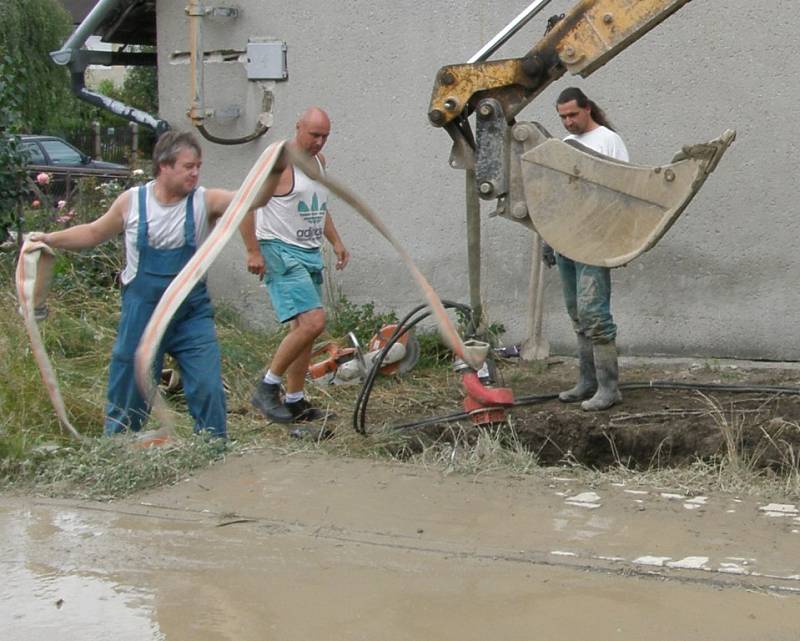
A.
pixel 275 547
pixel 289 545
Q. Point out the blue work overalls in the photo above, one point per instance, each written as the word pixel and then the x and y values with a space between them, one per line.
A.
pixel 190 337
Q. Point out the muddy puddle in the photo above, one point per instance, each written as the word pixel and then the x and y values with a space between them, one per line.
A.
pixel 41 602
pixel 285 548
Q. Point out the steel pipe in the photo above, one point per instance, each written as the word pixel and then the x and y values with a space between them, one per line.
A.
pixel 85 29
pixel 509 30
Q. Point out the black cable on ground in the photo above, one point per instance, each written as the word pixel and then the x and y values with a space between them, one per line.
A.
pixel 732 388
pixel 406 324
pixel 535 399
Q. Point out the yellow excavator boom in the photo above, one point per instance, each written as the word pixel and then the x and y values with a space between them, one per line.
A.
pixel 582 41
pixel 589 208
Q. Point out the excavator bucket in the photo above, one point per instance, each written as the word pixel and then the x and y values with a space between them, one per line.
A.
pixel 600 211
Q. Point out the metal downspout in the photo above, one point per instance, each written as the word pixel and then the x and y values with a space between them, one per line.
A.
pixel 71 55
pixel 115 106
pixel 69 49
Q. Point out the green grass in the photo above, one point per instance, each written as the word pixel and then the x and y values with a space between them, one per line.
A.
pixel 36 456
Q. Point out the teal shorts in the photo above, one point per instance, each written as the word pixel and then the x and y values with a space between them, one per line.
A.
pixel 293 279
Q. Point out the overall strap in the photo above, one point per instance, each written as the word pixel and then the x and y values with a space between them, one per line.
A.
pixel 141 231
pixel 188 226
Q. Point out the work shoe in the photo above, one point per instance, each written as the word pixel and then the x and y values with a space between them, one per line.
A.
pixel 607 372
pixel 587 379
pixel 303 412
pixel 267 400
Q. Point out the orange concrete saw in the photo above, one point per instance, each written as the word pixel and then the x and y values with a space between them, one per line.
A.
pixel 334 364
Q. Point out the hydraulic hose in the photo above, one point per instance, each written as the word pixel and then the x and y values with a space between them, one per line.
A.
pixel 406 324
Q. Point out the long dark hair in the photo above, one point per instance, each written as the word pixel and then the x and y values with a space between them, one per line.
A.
pixel 574 93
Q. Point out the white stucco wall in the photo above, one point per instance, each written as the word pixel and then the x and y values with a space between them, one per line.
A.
pixel 720 284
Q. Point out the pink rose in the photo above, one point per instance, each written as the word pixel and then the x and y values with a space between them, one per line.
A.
pixel 66 217
pixel 35 204
pixel 61 204
pixel 43 179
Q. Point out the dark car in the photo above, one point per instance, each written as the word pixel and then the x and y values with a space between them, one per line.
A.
pixel 57 153
pixel 65 164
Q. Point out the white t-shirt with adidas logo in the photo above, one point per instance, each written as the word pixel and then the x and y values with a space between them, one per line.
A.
pixel 296 218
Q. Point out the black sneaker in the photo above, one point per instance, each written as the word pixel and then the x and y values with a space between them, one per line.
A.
pixel 303 412
pixel 267 400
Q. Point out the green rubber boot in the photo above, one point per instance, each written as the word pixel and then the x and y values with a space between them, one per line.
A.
pixel 607 372
pixel 587 380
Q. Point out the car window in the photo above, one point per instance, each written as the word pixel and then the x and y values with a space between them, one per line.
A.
pixel 35 155
pixel 61 153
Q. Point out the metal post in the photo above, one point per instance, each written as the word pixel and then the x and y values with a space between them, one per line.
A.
pixel 536 347
pixel 134 143
pixel 474 248
pixel 509 30
pixel 20 215
pixel 67 189
pixel 96 139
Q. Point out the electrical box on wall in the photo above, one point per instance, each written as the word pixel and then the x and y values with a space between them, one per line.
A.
pixel 267 60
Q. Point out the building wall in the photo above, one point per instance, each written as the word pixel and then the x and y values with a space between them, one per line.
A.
pixel 720 284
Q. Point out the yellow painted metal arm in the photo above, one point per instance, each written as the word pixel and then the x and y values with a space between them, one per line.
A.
pixel 589 35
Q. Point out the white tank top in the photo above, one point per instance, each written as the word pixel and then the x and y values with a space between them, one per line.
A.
pixel 297 218
pixel 164 225
pixel 604 141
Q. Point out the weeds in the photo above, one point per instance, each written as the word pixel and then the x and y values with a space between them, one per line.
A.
pixel 754 440
pixel 107 468
pixel 493 449
pixel 760 448
pixel 362 320
pixel 759 454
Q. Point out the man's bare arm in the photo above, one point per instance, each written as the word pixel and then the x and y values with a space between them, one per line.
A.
pixel 109 225
pixel 247 228
pixel 342 255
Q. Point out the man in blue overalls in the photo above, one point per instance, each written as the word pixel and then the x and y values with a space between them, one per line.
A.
pixel 163 222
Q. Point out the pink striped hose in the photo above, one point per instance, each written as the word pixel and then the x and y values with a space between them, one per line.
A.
pixel 196 268
pixel 34 271
pixel 34 274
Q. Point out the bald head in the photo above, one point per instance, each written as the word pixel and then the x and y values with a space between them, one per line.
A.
pixel 313 128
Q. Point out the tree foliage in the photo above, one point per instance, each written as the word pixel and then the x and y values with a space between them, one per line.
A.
pixel 12 160
pixel 29 31
pixel 140 89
